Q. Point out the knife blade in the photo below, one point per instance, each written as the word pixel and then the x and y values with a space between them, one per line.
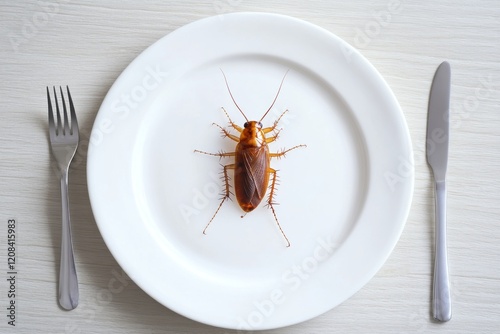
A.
pixel 437 142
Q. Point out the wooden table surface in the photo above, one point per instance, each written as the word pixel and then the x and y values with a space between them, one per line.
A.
pixel 86 44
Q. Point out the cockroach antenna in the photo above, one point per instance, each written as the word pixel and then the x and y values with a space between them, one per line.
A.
pixel 231 94
pixel 277 94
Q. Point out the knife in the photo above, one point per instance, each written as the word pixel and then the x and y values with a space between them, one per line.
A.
pixel 437 157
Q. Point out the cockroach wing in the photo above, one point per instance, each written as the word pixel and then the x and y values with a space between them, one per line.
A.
pixel 251 176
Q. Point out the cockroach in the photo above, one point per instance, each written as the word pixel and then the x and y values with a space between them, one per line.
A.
pixel 252 161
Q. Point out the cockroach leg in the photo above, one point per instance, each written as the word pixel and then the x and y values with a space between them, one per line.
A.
pixel 234 125
pixel 273 138
pixel 227 134
pixel 271 128
pixel 220 154
pixel 225 195
pixel 284 151
pixel 270 202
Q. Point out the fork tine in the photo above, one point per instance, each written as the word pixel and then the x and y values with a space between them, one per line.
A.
pixel 52 127
pixel 74 122
pixel 66 121
pixel 59 123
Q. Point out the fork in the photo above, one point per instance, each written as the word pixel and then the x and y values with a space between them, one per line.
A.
pixel 64 142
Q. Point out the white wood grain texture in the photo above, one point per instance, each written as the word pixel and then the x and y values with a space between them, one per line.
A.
pixel 86 44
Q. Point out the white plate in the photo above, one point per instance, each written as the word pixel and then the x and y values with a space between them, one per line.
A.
pixel 343 200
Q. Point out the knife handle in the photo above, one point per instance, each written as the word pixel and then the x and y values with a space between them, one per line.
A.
pixel 441 293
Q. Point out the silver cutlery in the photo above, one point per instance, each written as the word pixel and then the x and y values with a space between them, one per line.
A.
pixel 437 157
pixel 64 139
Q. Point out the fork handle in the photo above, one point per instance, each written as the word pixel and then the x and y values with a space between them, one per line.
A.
pixel 441 294
pixel 68 281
